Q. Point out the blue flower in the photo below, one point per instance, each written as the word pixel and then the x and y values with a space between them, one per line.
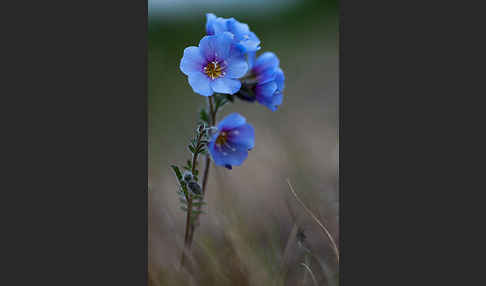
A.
pixel 246 40
pixel 229 146
pixel 268 80
pixel 215 65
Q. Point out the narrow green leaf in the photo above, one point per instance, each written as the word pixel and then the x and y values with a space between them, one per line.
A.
pixel 177 172
pixel 191 149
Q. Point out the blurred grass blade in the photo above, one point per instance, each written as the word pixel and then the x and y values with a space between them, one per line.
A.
pixel 323 228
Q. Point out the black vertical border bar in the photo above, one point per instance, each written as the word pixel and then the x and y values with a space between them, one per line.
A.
pixel 76 155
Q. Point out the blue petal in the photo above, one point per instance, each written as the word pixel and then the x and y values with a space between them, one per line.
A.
pixel 206 46
pixel 226 85
pixel 247 40
pixel 216 47
pixel 231 121
pixel 210 19
pixel 214 25
pixel 200 83
pixel 233 155
pixel 253 37
pixel 266 61
pixel 249 46
pixel 265 91
pixel 276 100
pixel 268 95
pixel 192 60
pixel 236 67
pixel 250 43
pixel 237 28
pixel 266 76
pixel 243 135
pixel 280 79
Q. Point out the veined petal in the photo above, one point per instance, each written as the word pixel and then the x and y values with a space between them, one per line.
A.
pixel 225 85
pixel 200 83
pixel 207 47
pixel 192 60
pixel 216 47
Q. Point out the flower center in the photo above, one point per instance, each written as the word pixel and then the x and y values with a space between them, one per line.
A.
pixel 222 138
pixel 213 70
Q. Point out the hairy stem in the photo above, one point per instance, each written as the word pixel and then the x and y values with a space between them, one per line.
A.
pixel 189 226
pixel 208 160
pixel 206 168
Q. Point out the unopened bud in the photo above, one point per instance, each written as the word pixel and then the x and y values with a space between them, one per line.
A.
pixel 187 176
pixel 195 187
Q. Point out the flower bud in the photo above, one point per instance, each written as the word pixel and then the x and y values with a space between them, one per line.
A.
pixel 195 187
pixel 187 176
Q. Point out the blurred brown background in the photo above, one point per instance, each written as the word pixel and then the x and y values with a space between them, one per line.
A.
pixel 247 236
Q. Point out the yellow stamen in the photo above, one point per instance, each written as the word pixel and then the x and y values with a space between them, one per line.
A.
pixel 222 138
pixel 213 70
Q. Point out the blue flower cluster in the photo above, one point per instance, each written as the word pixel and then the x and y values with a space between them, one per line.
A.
pixel 225 62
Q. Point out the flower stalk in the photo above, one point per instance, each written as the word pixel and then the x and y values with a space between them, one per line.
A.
pixel 223 67
pixel 212 122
